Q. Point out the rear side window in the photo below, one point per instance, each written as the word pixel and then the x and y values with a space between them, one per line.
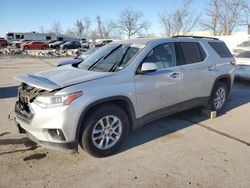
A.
pixel 192 52
pixel 221 49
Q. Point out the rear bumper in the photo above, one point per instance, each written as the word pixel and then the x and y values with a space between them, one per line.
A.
pixel 69 147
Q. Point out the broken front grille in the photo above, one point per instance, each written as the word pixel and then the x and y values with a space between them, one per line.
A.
pixel 26 95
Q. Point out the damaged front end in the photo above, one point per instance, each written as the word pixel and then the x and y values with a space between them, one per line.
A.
pixel 26 94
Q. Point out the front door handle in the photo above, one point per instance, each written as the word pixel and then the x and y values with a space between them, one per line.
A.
pixel 210 68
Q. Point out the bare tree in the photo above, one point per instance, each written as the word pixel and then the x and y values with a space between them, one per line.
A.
pixel 56 27
pixel 79 28
pixel 99 25
pixel 223 16
pixel 70 31
pixel 109 29
pixel 94 35
pixel 180 21
pixel 87 24
pixel 105 29
pixel 213 22
pixel 130 22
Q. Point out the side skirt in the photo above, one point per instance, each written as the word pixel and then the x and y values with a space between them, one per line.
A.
pixel 170 110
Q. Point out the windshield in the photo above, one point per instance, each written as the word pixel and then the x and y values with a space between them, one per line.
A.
pixel 112 57
pixel 87 54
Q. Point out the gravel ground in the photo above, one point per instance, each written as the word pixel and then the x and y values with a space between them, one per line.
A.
pixel 184 150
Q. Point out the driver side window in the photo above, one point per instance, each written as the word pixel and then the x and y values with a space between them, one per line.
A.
pixel 162 55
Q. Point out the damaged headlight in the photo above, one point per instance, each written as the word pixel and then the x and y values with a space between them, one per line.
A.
pixel 56 100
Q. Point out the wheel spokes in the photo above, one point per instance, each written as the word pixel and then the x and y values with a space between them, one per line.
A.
pixel 107 132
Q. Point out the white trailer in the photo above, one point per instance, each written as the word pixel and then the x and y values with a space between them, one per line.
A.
pixel 33 36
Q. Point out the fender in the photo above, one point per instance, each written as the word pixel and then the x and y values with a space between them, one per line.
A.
pixel 130 111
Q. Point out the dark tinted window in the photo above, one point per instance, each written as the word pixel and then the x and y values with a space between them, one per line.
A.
pixel 245 54
pixel 221 49
pixel 18 36
pixel 192 52
pixel 163 56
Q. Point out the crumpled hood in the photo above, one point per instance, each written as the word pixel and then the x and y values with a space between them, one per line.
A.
pixel 60 77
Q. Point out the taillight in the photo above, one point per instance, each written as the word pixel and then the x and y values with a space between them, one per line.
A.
pixel 233 63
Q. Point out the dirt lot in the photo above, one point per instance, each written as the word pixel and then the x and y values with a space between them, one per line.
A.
pixel 184 150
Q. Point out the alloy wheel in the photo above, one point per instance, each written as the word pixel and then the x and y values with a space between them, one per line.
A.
pixel 107 132
pixel 220 98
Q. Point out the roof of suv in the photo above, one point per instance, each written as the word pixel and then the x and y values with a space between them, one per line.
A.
pixel 145 41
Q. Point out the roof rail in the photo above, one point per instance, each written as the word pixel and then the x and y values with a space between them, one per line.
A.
pixel 198 37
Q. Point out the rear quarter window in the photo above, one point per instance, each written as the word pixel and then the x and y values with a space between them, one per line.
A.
pixel 221 49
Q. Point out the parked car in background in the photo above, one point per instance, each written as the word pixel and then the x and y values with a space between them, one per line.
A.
pixel 34 45
pixel 102 43
pixel 56 44
pixel 18 43
pixel 3 43
pixel 77 59
pixel 85 45
pixel 244 46
pixel 51 41
pixel 121 87
pixel 243 65
pixel 73 44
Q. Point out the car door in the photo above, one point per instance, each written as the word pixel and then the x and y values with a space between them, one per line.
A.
pixel 36 45
pixel 196 74
pixel 159 91
pixel 39 45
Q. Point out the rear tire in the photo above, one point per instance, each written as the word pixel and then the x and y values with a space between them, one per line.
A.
pixel 218 97
pixel 105 130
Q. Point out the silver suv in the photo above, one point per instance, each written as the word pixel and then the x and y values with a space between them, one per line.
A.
pixel 121 87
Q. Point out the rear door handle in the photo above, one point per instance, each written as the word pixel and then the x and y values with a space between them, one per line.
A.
pixel 174 75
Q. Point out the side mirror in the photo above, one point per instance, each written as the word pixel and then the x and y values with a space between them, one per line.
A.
pixel 147 67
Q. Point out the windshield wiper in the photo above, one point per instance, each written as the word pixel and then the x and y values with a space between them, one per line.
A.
pixel 102 58
pixel 118 63
pixel 92 66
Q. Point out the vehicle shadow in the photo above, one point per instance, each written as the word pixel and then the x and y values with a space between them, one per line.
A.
pixel 240 95
pixel 156 129
pixel 8 92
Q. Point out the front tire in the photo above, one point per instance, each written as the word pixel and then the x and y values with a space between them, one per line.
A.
pixel 219 97
pixel 105 130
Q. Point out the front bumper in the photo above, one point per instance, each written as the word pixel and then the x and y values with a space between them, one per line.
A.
pixel 69 147
pixel 53 128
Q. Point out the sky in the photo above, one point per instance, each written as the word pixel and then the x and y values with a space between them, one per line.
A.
pixel 30 15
